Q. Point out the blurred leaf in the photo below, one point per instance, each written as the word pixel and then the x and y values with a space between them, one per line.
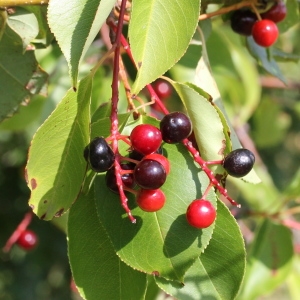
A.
pixel 269 117
pixel 56 167
pixel 155 28
pixel 218 272
pixel 45 36
pixel 156 243
pixel 270 260
pixel 97 270
pixel 81 22
pixel 284 56
pixel 25 115
pixel 261 197
pixel 294 279
pixel 17 84
pixel 265 59
pixel 292 16
pixel 3 21
pixel 25 24
pixel 293 189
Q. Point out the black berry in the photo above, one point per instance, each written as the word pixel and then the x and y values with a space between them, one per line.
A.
pixel 99 154
pixel 242 21
pixel 239 162
pixel 127 179
pixel 150 174
pixel 175 127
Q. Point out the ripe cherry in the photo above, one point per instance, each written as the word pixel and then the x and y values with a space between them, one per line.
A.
pixel 175 127
pixel 242 21
pixel 127 178
pixel 161 159
pixel 162 88
pixel 99 154
pixel 276 13
pixel 201 213
pixel 265 32
pixel 145 138
pixel 239 162
pixel 27 240
pixel 150 200
pixel 149 174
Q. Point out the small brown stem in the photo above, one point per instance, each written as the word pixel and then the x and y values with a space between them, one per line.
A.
pixel 123 76
pixel 225 10
pixel 256 11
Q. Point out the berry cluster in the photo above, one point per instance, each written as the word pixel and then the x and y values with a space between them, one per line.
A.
pixel 145 169
pixel 262 27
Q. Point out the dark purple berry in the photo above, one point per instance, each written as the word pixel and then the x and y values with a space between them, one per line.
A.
pixel 127 179
pixel 175 127
pixel 239 162
pixel 150 174
pixel 99 154
pixel 242 21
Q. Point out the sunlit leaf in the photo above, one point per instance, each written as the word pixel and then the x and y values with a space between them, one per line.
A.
pixel 218 272
pixel 159 34
pixel 56 167
pixel 81 22
pixel 17 84
pixel 97 270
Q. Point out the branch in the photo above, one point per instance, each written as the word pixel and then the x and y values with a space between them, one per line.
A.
pixel 22 2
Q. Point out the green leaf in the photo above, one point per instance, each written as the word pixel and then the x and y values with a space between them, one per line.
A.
pixel 264 58
pixel 56 167
pixel 159 34
pixel 292 16
pixel 218 272
pixel 270 260
pixel 25 24
pixel 3 21
pixel 97 270
pixel 293 189
pixel 207 124
pixel 81 21
pixel 156 242
pixel 44 37
pixel 204 79
pixel 17 84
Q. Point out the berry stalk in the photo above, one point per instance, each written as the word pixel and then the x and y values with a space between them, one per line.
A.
pixel 114 130
pixel 16 234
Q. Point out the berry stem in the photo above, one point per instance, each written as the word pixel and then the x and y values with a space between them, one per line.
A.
pixel 16 234
pixel 209 173
pixel 225 10
pixel 114 130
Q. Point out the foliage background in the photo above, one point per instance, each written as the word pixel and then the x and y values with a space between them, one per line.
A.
pixel 270 120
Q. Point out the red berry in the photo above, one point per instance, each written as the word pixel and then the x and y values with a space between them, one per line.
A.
pixel 276 13
pixel 145 138
pixel 161 159
pixel 201 213
pixel 27 240
pixel 150 200
pixel 265 32
pixel 162 88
